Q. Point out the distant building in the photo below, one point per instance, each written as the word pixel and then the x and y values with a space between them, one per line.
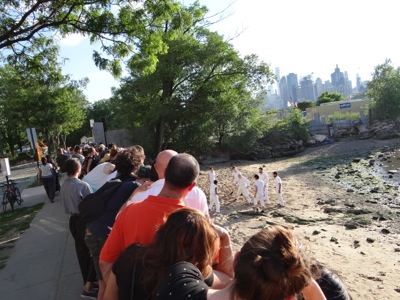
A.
pixel 283 91
pixel 273 101
pixel 318 87
pixel 293 86
pixel 341 83
pixel 307 89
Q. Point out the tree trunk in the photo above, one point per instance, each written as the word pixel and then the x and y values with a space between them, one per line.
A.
pixel 160 129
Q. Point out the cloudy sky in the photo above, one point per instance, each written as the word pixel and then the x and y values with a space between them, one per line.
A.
pixel 303 37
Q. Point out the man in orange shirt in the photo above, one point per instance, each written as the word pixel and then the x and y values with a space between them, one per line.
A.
pixel 138 222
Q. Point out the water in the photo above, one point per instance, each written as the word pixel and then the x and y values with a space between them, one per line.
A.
pixel 388 165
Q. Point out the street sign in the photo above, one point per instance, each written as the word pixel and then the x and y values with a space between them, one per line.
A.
pixel 31 133
pixel 345 105
pixel 5 167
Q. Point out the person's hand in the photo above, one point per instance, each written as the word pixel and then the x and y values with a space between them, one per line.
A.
pixel 143 187
pixel 223 235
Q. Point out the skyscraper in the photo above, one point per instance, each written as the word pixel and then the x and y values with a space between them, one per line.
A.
pixel 293 86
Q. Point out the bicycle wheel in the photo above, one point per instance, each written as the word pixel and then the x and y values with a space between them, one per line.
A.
pixel 4 202
pixel 18 197
pixel 11 200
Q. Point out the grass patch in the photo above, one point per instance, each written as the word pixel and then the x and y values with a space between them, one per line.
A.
pixel 14 223
pixel 34 183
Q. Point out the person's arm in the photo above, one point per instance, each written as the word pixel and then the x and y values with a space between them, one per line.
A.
pixel 313 292
pixel 280 186
pixel 40 173
pixel 105 269
pixel 220 280
pixel 216 190
pixel 255 193
pixel 225 263
pixel 111 292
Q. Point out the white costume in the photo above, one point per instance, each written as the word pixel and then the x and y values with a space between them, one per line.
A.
pixel 195 199
pixel 235 174
pixel 264 177
pixel 99 175
pixel 278 181
pixel 243 185
pixel 211 177
pixel 260 192
pixel 214 199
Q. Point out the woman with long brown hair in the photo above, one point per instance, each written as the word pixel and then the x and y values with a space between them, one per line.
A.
pixel 187 240
pixel 270 266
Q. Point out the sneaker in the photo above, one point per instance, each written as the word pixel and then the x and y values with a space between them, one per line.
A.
pixel 89 295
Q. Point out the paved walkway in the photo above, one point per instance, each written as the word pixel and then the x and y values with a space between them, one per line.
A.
pixel 43 264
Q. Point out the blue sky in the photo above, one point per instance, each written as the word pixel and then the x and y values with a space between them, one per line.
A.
pixel 303 37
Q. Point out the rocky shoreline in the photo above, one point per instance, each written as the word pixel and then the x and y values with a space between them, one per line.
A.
pixel 340 200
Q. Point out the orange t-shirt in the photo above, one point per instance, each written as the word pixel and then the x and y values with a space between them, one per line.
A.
pixel 138 223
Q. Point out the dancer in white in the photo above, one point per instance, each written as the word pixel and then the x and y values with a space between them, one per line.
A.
pixel 259 191
pixel 278 189
pixel 214 199
pixel 235 179
pixel 243 185
pixel 264 177
pixel 211 176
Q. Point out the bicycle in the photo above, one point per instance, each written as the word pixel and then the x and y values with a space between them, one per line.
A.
pixel 11 194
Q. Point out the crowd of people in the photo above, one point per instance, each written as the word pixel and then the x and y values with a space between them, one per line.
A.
pixel 154 238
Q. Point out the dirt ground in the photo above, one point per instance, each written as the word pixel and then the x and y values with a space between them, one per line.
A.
pixel 347 212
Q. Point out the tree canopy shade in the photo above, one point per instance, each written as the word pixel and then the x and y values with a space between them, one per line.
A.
pixel 384 90
pixel 118 24
pixel 327 97
pixel 200 87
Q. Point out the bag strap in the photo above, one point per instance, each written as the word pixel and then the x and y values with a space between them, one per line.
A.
pixel 133 281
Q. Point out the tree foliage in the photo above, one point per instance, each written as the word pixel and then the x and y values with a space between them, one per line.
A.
pixel 327 97
pixel 200 88
pixel 384 90
pixel 40 98
pixel 120 26
pixel 292 126
pixel 305 104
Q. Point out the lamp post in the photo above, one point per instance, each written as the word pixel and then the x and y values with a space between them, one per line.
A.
pixel 91 128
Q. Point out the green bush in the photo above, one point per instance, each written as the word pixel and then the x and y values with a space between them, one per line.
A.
pixel 344 116
pixel 20 158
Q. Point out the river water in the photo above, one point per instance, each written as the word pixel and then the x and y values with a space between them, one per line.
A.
pixel 388 165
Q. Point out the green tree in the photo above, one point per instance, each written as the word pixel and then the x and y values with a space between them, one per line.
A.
pixel 327 97
pixel 41 98
pixel 384 90
pixel 305 104
pixel 118 25
pixel 199 70
pixel 11 93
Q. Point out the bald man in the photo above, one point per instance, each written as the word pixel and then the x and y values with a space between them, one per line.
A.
pixel 196 197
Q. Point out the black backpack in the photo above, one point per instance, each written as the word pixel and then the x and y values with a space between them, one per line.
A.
pixel 93 205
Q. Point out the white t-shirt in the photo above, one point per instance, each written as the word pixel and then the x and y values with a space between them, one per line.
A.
pixel 260 185
pixel 211 176
pixel 264 177
pixel 278 181
pixel 46 170
pixel 195 199
pixel 235 175
pixel 99 175
pixel 243 182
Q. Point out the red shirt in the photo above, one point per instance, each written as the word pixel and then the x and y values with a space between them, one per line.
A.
pixel 138 223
